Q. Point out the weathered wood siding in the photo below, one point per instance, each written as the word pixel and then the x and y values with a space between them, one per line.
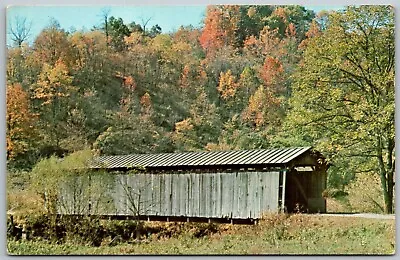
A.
pixel 210 195
pixel 87 194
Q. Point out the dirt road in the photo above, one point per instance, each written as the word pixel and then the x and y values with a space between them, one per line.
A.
pixel 360 215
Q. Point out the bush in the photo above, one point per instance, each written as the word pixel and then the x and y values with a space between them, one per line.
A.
pixel 91 231
pixel 20 199
pixel 82 230
pixel 126 229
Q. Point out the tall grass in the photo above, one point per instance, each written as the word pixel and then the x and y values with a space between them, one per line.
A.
pixel 275 234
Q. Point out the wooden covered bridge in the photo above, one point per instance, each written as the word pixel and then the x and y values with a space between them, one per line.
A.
pixel 223 185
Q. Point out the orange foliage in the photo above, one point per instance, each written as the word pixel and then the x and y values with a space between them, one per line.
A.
pixel 184 125
pixel 251 11
pixel 212 36
pixel 185 76
pixel 271 70
pixel 252 44
pixel 51 45
pixel 262 108
pixel 312 32
pixel 290 30
pixel 281 13
pixel 145 100
pixel 130 83
pixel 219 27
pixel 269 40
pixel 20 121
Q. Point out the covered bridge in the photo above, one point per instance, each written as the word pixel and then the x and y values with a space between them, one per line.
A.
pixel 216 185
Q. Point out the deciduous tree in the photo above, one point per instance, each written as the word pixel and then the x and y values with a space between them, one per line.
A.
pixel 344 92
pixel 20 30
pixel 20 122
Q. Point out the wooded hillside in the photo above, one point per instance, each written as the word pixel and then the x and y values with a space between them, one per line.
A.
pixel 252 77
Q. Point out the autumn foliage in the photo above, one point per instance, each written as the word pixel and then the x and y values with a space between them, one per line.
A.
pixel 250 77
pixel 20 122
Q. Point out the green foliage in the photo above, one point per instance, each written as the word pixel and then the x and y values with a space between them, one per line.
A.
pixel 344 93
pixel 67 185
pixel 117 30
pixel 201 128
pixel 21 200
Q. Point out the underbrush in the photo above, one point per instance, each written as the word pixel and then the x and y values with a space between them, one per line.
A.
pixel 275 234
pixel 92 231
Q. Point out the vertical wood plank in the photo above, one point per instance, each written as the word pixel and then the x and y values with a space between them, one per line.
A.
pixel 212 194
pixel 235 195
pixel 283 190
pixel 199 194
pixel 175 195
pixel 231 198
pixel 167 205
pixel 162 194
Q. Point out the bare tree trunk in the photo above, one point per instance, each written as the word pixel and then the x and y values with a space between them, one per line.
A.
pixel 386 175
pixel 105 14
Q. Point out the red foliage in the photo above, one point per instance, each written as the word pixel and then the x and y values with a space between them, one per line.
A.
pixel 212 36
pixel 271 70
pixel 219 27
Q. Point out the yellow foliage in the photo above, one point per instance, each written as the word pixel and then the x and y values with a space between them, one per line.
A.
pixel 24 202
pixel 54 82
pixel 227 85
pixel 365 193
pixel 184 125
pixel 262 107
pixel 251 11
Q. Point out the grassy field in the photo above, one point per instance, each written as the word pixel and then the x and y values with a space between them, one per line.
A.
pixel 276 234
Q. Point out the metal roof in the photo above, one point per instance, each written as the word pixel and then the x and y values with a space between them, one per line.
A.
pixel 262 157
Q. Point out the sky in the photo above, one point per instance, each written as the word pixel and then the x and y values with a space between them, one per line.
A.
pixel 169 18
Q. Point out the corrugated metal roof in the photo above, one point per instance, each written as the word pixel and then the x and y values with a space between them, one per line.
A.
pixel 192 159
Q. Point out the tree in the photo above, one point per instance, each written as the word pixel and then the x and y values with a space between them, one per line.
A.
pixel 104 15
pixel 145 21
pixel 20 122
pixel 344 92
pixel 20 30
pixel 155 30
pixel 118 30
pixel 202 127
pixel 263 109
pixel 219 27
pixel 297 15
pixel 53 96
pixel 135 188
pixel 52 44
pixel 227 85
pixel 68 186
pixel 130 132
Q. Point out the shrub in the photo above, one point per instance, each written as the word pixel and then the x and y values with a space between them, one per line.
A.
pixel 82 230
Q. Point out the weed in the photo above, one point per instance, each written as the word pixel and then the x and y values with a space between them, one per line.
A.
pixel 276 234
